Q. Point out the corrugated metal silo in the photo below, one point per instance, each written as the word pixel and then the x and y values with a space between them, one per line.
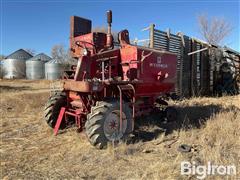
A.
pixel 35 66
pixel 54 69
pixel 1 69
pixel 14 66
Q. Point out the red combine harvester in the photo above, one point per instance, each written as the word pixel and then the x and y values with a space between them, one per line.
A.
pixel 110 85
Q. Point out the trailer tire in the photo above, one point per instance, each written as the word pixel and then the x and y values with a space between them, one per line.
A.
pixel 53 107
pixel 102 125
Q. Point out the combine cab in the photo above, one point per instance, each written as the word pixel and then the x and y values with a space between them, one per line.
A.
pixel 110 86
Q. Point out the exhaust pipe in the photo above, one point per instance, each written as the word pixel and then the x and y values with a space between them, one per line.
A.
pixel 109 29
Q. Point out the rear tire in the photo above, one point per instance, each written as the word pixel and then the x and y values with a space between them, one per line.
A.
pixel 52 109
pixel 103 123
pixel 171 114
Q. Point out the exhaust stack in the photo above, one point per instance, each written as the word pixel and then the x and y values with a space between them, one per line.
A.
pixel 109 30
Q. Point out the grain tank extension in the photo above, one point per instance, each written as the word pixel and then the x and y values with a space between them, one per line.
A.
pixel 110 86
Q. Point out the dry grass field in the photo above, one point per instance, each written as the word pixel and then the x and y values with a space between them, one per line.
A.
pixel 29 150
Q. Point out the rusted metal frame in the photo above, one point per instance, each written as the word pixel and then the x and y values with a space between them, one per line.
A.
pixel 181 60
pixel 67 108
pixel 186 67
pixel 121 82
pixel 160 42
pixel 193 69
pixel 162 38
pixel 77 86
pixel 168 36
pixel 201 87
pixel 106 59
pixel 165 39
pixel 120 96
pixel 176 47
pixel 110 70
pixel 205 74
pixel 76 117
pixel 160 34
pixel 197 51
pixel 198 72
pixel 214 76
pixel 160 47
pixel 128 93
pixel 191 73
pixel 199 65
pixel 182 39
pixel 103 71
pixel 85 102
pixel 133 106
pixel 121 103
pixel 104 92
pixel 151 34
pixel 102 60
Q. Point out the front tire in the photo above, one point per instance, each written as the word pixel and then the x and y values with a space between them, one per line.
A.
pixel 103 123
pixel 52 109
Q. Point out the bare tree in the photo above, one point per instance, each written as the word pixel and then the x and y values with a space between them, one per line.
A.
pixel 59 52
pixel 214 29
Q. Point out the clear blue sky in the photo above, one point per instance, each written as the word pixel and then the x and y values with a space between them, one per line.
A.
pixel 39 24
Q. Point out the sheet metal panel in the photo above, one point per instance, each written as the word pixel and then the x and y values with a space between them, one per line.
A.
pixel 193 73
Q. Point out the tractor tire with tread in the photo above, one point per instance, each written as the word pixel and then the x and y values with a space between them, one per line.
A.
pixel 95 125
pixel 52 108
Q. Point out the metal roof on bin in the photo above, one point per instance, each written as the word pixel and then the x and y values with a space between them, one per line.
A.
pixel 40 57
pixel 56 61
pixel 19 55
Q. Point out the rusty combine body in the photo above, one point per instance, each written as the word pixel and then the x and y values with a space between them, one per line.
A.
pixel 110 86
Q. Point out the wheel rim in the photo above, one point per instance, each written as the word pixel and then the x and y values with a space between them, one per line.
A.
pixel 112 125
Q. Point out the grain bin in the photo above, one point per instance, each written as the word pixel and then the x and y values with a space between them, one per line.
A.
pixel 35 66
pixel 54 69
pixel 1 69
pixel 14 66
